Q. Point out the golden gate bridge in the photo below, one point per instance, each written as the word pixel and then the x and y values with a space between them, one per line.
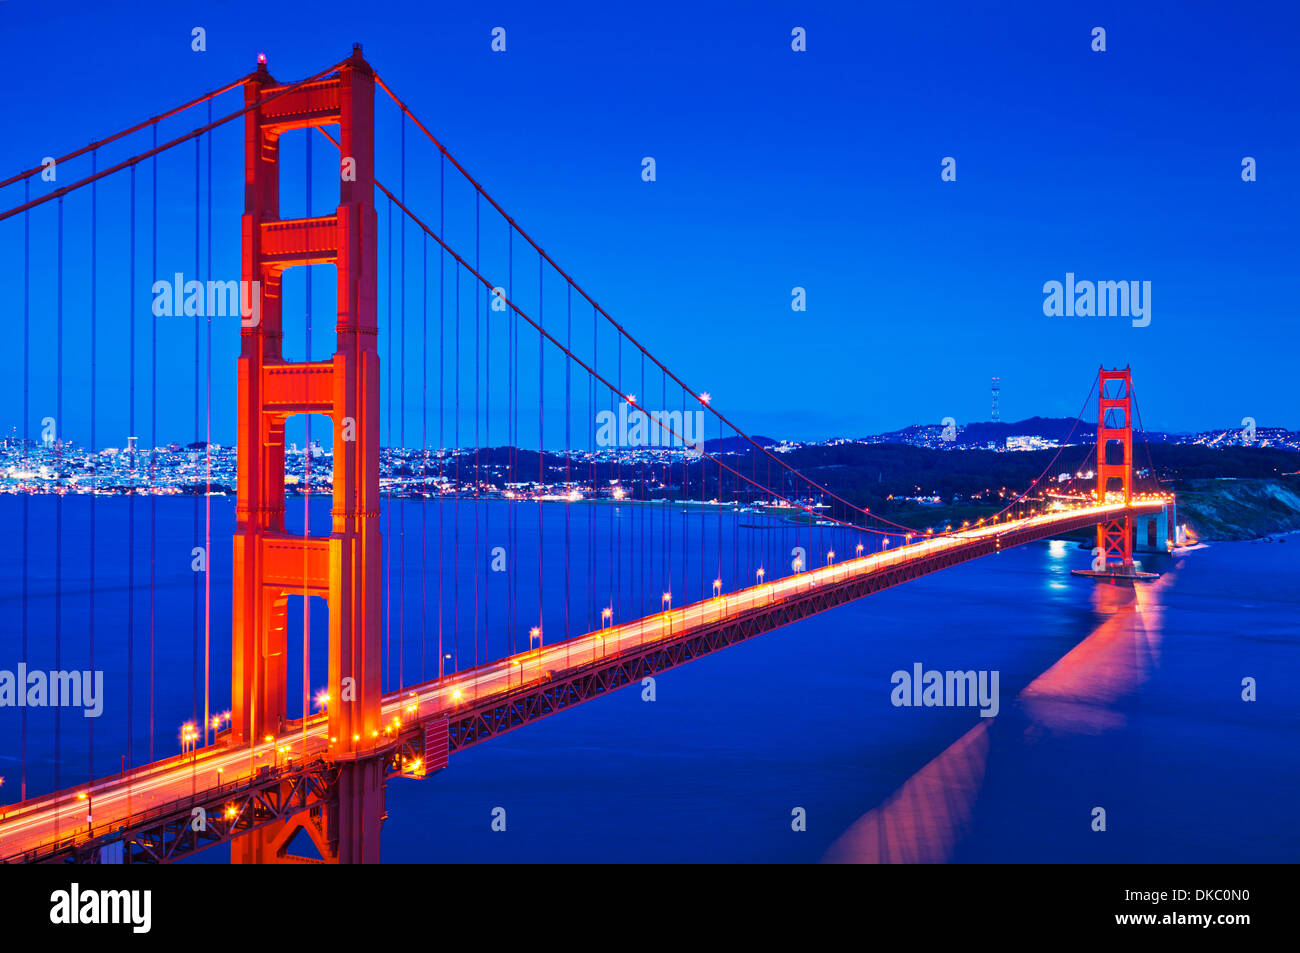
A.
pixel 255 777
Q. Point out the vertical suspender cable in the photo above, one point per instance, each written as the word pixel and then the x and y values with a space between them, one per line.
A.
pixel 58 508
pixel 455 513
pixel 616 527
pixel 568 450
pixel 477 447
pixel 388 535
pixel 207 480
pixel 541 452
pixel 94 457
pixel 130 501
pixel 27 283
pixel 512 381
pixel 442 394
pixel 196 508
pixel 487 413
pixel 643 604
pixel 424 454
pixel 401 430
pixel 153 442
pixel 591 442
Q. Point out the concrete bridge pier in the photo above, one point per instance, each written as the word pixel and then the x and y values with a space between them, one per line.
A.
pixel 1156 532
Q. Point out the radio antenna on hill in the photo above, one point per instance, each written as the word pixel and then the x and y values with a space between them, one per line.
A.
pixel 996 390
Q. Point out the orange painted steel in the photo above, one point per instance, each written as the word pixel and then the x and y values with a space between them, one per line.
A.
pixel 271 564
pixel 1115 424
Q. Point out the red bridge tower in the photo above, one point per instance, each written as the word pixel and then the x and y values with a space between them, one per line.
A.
pixel 269 563
pixel 1115 438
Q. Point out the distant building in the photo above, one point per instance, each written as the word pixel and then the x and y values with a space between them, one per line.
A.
pixel 1030 442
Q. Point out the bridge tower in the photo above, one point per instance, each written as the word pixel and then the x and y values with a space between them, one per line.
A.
pixel 1115 427
pixel 271 564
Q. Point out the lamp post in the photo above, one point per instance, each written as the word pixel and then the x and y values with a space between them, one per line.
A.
pixel 89 799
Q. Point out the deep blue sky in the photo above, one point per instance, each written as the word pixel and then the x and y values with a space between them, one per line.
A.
pixel 775 169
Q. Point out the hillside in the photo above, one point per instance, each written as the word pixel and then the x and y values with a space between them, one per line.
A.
pixel 1231 508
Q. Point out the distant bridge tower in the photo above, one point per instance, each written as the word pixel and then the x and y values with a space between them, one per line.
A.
pixel 997 389
pixel 269 563
pixel 1115 439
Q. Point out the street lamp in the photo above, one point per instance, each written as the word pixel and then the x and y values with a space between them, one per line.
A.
pixel 606 619
pixel 759 574
pixel 717 586
pixel 830 557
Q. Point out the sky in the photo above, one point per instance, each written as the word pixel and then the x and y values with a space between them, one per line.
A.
pixel 775 169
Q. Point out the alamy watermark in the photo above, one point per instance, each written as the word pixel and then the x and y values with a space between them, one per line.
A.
pixel 1102 299
pixel 56 689
pixel 934 689
pixel 76 906
pixel 658 428
pixel 212 299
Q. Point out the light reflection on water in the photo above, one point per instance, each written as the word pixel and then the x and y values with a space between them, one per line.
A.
pixel 923 821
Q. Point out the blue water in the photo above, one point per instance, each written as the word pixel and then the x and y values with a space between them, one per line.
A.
pixel 1114 698
pixel 711 770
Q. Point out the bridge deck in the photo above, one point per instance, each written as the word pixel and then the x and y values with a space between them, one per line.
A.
pixel 500 696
